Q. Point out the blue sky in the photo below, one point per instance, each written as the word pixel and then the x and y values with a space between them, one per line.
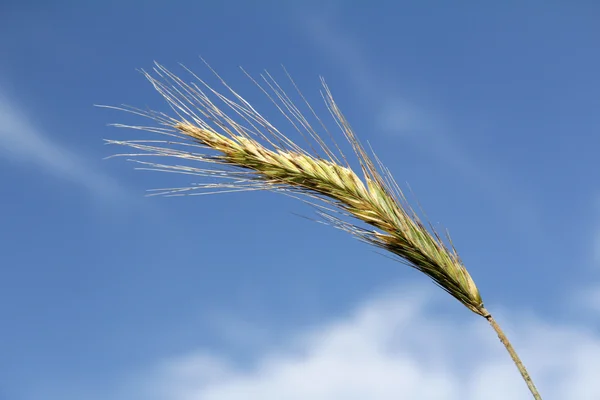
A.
pixel 488 112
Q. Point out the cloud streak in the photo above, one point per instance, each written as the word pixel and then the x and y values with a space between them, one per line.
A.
pixel 392 346
pixel 21 141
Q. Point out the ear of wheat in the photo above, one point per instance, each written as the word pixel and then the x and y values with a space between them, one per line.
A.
pixel 248 153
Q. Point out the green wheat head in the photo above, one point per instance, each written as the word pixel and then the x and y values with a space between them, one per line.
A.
pixel 254 155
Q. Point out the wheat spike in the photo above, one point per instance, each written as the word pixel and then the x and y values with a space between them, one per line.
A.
pixel 254 155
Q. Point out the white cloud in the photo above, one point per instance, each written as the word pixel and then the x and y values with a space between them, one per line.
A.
pixel 393 347
pixel 21 141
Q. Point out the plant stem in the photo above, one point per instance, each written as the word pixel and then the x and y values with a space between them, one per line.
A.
pixel 514 356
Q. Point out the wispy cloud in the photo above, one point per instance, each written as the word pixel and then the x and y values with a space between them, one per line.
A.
pixel 596 254
pixel 596 235
pixel 391 347
pixel 423 128
pixel 23 142
pixel 587 300
pixel 395 114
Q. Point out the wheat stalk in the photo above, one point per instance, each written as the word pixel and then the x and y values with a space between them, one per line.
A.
pixel 254 155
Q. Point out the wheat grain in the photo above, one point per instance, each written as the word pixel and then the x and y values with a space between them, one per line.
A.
pixel 254 155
